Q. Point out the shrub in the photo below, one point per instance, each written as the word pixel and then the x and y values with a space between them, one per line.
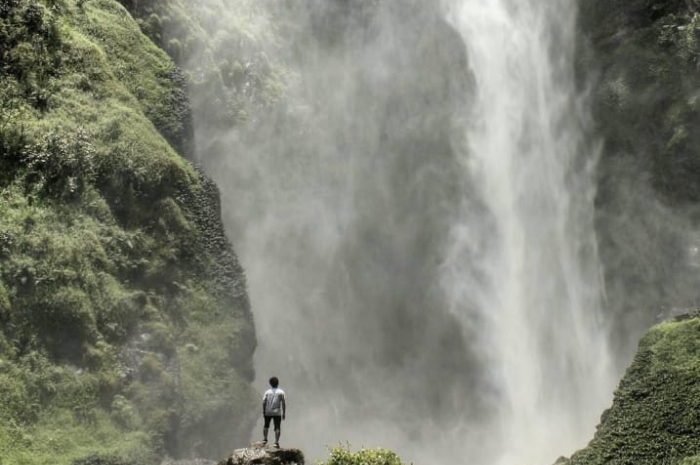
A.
pixel 174 49
pixel 342 455
pixel 63 319
pixel 12 137
pixel 61 166
pixel 124 413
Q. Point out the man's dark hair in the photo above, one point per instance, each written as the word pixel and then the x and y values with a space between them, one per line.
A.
pixel 274 382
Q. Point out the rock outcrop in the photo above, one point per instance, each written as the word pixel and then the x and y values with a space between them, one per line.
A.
pixel 655 412
pixel 258 454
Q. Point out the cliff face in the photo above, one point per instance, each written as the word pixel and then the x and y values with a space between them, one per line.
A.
pixel 126 327
pixel 643 56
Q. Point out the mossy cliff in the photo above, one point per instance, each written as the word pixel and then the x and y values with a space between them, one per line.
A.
pixel 126 330
pixel 654 416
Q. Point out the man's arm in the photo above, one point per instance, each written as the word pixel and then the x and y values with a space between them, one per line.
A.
pixel 264 402
pixel 284 407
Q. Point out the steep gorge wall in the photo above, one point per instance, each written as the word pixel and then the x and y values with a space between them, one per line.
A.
pixel 126 326
pixel 643 57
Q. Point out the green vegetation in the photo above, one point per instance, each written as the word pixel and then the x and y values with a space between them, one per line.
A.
pixel 344 456
pixel 225 52
pixel 646 101
pixel 654 416
pixel 126 331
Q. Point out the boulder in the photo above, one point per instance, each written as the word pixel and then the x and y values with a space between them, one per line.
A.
pixel 258 454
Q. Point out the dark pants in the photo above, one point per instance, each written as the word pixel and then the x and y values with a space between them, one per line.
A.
pixel 277 420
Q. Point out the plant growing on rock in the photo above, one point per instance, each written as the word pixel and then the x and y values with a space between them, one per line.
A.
pixel 342 455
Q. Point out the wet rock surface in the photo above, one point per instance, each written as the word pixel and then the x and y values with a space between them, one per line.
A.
pixel 258 454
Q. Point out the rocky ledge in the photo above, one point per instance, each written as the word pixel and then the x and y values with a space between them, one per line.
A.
pixel 258 454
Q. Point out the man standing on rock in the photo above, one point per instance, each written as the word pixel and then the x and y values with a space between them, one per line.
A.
pixel 274 409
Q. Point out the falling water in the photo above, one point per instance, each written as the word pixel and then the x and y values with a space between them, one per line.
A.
pixel 524 258
pixel 416 225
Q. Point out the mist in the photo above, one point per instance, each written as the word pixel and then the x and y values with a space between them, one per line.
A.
pixel 416 217
pixel 345 200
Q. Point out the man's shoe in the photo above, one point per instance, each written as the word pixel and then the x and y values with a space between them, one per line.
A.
pixel 264 441
pixel 277 445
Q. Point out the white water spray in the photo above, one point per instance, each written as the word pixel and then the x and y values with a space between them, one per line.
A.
pixel 439 299
pixel 524 259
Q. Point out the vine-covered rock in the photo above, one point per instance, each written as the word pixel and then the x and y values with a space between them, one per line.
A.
pixel 655 415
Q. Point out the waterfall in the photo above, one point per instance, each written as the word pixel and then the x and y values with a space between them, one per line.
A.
pixel 416 225
pixel 524 259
